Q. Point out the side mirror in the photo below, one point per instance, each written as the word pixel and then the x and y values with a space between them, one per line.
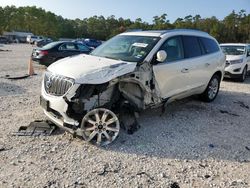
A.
pixel 161 56
pixel 248 53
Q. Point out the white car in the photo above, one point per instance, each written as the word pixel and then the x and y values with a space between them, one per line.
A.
pixel 85 94
pixel 237 60
pixel 31 39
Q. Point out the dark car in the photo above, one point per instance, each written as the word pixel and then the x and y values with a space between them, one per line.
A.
pixel 92 43
pixel 42 42
pixel 58 50
pixel 3 40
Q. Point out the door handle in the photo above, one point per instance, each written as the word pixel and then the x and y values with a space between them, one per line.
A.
pixel 207 64
pixel 185 70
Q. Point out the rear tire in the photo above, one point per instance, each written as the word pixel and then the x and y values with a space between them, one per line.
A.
pixel 243 75
pixel 212 89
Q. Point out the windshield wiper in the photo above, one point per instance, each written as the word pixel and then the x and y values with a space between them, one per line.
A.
pixel 112 58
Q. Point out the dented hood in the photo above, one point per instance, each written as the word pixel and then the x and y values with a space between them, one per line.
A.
pixel 87 69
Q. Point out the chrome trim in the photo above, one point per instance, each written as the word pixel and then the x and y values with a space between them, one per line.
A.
pixel 57 85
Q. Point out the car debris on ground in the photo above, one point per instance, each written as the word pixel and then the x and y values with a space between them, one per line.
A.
pixel 36 128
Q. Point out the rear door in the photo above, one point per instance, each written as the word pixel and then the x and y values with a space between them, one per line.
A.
pixel 68 49
pixel 82 48
pixel 198 66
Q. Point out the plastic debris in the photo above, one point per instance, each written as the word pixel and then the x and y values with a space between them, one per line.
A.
pixel 36 128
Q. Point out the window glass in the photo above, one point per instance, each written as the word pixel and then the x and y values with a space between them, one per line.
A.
pixel 83 48
pixel 248 51
pixel 127 48
pixel 173 48
pixel 68 46
pixel 209 45
pixel 233 50
pixel 50 45
pixel 191 46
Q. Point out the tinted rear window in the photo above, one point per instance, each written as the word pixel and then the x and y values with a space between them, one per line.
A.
pixel 191 46
pixel 51 45
pixel 210 45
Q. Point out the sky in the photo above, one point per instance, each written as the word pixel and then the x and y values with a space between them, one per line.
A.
pixel 132 9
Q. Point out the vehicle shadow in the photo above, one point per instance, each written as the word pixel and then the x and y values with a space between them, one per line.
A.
pixel 228 80
pixel 190 129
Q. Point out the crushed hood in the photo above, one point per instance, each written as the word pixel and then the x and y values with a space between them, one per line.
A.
pixel 87 69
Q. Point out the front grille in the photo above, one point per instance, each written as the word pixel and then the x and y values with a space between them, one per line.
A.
pixel 57 85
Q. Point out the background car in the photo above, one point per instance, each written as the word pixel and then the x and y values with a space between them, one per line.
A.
pixel 42 42
pixel 237 60
pixel 4 40
pixel 92 43
pixel 58 50
pixel 32 39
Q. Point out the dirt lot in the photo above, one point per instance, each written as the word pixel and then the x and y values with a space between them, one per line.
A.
pixel 194 144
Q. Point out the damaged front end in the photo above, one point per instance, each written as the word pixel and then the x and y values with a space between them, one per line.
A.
pixel 93 111
pixel 90 95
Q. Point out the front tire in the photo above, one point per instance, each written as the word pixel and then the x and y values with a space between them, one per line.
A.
pixel 243 75
pixel 100 126
pixel 212 89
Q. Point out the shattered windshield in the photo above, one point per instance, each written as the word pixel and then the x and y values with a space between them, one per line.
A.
pixel 233 50
pixel 126 48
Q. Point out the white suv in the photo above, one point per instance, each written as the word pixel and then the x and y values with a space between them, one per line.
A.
pixel 85 94
pixel 237 60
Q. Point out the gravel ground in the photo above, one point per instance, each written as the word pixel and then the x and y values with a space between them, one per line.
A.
pixel 193 144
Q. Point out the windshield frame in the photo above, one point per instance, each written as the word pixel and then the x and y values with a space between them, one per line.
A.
pixel 235 47
pixel 146 48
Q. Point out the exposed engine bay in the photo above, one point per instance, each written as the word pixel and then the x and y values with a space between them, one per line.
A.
pixel 96 106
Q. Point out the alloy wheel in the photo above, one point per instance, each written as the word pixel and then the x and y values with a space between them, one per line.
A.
pixel 213 88
pixel 100 126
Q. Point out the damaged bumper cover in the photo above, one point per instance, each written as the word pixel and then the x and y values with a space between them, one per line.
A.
pixel 55 107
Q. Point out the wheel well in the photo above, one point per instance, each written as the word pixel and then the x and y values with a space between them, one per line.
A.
pixel 218 73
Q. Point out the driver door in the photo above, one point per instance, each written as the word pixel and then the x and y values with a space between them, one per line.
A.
pixel 172 75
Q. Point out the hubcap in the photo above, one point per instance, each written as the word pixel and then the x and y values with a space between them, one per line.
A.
pixel 213 88
pixel 100 126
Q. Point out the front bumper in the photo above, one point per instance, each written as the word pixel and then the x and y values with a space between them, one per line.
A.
pixel 57 107
pixel 234 71
pixel 229 75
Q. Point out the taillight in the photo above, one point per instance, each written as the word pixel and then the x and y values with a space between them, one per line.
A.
pixel 44 52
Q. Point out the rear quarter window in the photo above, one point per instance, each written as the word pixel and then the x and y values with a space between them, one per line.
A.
pixel 68 46
pixel 191 46
pixel 210 46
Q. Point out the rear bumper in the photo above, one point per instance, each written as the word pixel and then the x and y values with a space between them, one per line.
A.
pixel 36 59
pixel 42 61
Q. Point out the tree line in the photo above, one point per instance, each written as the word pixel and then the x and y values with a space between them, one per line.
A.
pixel 233 28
